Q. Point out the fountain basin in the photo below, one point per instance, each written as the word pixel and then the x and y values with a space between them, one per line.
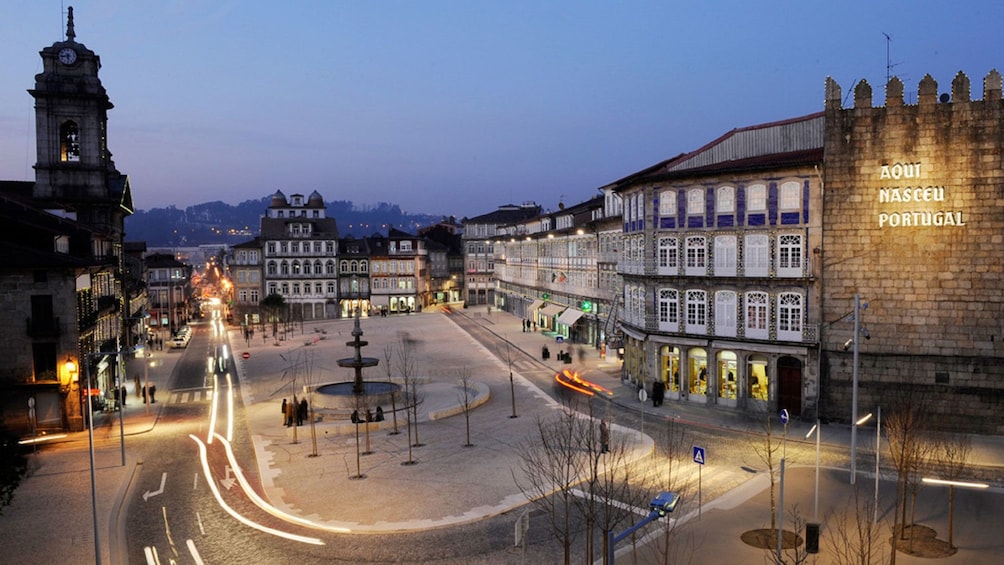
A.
pixel 339 396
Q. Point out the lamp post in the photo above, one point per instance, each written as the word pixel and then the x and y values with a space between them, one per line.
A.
pixel 815 499
pixel 90 448
pixel 854 384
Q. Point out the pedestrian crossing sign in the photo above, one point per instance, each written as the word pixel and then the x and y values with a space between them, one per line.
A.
pixel 699 455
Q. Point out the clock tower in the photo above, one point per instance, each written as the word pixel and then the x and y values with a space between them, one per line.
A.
pixel 74 170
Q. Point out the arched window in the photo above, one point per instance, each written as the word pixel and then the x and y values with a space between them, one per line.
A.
pixel 284 268
pixel 789 316
pixel 296 267
pixel 306 267
pixel 329 268
pixel 697 312
pixel 343 266
pixel 363 266
pixel 271 268
pixel 756 315
pixel 726 200
pixel 69 142
pixel 669 309
pixel 695 202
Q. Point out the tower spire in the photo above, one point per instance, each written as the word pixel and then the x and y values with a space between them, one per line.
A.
pixel 70 34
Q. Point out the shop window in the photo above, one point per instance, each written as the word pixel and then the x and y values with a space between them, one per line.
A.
pixel 757 371
pixel 670 362
pixel 697 371
pixel 727 375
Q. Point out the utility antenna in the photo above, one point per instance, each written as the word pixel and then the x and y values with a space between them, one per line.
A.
pixel 888 61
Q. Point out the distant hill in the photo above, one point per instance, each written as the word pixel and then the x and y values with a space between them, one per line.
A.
pixel 219 222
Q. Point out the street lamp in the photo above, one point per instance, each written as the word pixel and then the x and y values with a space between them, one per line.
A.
pixel 858 331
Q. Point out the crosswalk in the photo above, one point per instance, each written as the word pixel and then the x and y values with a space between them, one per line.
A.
pixel 190 396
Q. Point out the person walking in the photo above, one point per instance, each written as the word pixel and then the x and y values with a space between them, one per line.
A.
pixel 285 418
pixel 301 413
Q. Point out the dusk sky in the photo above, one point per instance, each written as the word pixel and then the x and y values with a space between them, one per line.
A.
pixel 456 107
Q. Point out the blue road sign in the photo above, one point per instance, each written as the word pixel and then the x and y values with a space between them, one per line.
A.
pixel 699 455
pixel 784 416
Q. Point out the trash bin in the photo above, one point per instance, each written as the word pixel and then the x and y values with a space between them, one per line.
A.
pixel 812 538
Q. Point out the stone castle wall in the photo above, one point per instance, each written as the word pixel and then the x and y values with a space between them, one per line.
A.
pixel 914 203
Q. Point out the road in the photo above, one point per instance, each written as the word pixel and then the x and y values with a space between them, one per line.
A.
pixel 177 515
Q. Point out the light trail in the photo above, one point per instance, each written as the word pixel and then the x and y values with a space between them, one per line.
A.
pixel 204 457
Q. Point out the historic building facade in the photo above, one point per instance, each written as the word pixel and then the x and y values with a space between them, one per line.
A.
pixel 720 270
pixel 300 255
pixel 914 226
pixel 547 268
pixel 479 236
pixel 68 280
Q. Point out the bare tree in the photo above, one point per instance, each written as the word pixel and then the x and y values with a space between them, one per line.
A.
pixel 909 447
pixel 388 358
pixel 793 550
pixel 466 394
pixel 509 360
pixel 765 446
pixel 406 355
pixel 853 537
pixel 549 463
pixel 677 544
pixel 952 456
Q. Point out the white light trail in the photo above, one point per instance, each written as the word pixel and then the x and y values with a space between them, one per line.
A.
pixel 212 413
pixel 261 503
pixel 247 522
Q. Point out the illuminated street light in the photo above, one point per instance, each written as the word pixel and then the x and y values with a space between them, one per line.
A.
pixel 858 331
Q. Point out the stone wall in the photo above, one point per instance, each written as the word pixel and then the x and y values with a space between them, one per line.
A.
pixel 914 224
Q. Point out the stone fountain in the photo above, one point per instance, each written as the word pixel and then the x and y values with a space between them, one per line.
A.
pixel 359 392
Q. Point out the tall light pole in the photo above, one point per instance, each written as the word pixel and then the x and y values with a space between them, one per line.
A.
pixel 854 387
pixel 90 448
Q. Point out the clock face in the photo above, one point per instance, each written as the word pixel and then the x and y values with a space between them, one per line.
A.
pixel 67 56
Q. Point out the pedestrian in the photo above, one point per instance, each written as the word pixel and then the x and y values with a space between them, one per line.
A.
pixel 144 394
pixel 135 379
pixel 284 402
pixel 289 413
pixel 582 355
pixel 301 413
pixel 123 394
pixel 379 414
pixel 153 394
pixel 604 437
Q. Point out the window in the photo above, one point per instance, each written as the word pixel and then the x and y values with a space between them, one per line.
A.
pixel 254 296
pixel 669 260
pixel 405 246
pixel 69 142
pixel 789 316
pixel 725 255
pixel 329 268
pixel 756 198
pixel 669 310
pixel 362 267
pixel 331 288
pixel 725 313
pixel 641 207
pixel 726 200
pixel 789 196
pixel 283 247
pixel 727 375
pixel 697 256
pixel 671 367
pixel 695 202
pixel 271 248
pixel 667 203
pixel 756 370
pixel 284 268
pixel 697 370
pixel 697 311
pixel 271 268
pixel 789 255
pixel 756 315
pixel 296 267
pixel 755 256
pixel 343 266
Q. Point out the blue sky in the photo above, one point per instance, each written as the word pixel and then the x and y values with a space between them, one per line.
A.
pixel 455 107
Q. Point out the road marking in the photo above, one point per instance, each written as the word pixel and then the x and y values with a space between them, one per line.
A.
pixel 194 552
pixel 148 494
pixel 228 482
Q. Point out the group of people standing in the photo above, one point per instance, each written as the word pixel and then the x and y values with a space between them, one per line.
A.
pixel 294 413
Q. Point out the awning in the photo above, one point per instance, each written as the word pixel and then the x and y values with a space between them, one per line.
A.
pixel 536 304
pixel 570 316
pixel 551 310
